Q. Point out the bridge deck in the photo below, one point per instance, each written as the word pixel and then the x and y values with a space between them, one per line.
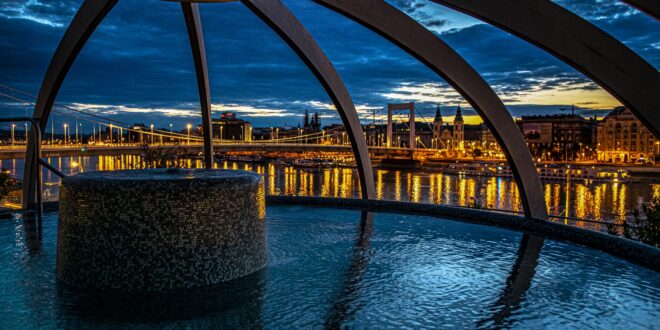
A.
pixel 18 152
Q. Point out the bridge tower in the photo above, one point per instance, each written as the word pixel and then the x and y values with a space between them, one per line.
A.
pixel 411 121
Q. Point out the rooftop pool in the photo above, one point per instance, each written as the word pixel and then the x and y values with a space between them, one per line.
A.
pixel 337 268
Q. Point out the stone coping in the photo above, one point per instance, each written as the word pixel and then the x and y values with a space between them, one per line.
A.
pixel 634 251
pixel 165 175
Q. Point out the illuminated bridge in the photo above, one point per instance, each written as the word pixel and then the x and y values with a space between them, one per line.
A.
pixel 197 148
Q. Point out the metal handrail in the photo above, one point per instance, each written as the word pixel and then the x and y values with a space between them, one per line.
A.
pixel 51 168
pixel 37 129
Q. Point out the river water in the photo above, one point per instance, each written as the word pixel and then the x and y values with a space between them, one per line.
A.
pixel 603 201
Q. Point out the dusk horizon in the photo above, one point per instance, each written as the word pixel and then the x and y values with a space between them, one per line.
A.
pixel 330 164
pixel 137 67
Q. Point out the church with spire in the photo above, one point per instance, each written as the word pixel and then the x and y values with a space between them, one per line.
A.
pixel 313 126
pixel 458 134
pixel 446 136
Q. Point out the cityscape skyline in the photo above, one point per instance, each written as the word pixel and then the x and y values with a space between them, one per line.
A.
pixel 136 77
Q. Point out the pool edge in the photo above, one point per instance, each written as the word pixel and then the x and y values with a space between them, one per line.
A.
pixel 642 254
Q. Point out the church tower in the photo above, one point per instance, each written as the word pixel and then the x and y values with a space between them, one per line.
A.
pixel 306 122
pixel 459 129
pixel 437 128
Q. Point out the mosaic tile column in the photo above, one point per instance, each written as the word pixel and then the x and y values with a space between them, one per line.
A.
pixel 160 229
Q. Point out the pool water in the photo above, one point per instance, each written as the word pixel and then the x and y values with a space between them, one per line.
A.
pixel 347 268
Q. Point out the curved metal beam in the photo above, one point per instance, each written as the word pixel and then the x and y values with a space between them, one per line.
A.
pixel 196 37
pixel 588 49
pixel 88 17
pixel 442 59
pixel 650 7
pixel 281 20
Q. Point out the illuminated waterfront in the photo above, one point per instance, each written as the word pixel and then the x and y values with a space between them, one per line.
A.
pixel 587 200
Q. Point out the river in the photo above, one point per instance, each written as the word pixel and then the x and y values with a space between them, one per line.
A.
pixel 603 201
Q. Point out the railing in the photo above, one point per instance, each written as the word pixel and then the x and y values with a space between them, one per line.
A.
pixel 37 129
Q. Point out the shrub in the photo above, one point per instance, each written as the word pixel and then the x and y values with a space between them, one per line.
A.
pixel 162 157
pixel 6 183
pixel 644 226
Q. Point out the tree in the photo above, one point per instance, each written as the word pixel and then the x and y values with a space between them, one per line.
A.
pixel 643 226
pixel 6 183
pixel 162 157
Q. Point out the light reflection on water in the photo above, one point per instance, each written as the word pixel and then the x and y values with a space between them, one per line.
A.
pixel 577 198
pixel 338 268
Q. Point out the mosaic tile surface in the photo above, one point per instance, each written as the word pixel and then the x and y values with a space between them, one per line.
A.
pixel 160 229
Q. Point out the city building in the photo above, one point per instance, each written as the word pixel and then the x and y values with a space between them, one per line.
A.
pixel 229 127
pixel 559 137
pixel 136 136
pixel 622 138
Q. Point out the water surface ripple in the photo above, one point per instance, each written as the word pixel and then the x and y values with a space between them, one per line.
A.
pixel 346 268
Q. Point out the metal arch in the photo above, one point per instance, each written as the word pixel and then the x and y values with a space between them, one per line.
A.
pixel 88 17
pixel 84 23
pixel 650 7
pixel 196 37
pixel 588 49
pixel 281 20
pixel 92 12
pixel 442 59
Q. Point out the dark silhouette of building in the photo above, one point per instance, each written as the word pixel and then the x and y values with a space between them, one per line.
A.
pixel 313 126
pixel 229 127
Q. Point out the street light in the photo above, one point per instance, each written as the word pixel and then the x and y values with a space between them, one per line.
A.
pixel 12 134
pixel 76 164
pixel 188 127
pixel 65 136
pixel 152 133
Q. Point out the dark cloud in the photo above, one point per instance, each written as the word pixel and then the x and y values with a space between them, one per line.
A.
pixel 436 23
pixel 140 58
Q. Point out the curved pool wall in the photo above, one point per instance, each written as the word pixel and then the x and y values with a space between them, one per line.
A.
pixel 342 267
pixel 160 229
pixel 637 252
pixel 634 251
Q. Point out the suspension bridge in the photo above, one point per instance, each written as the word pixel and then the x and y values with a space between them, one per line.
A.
pixel 110 136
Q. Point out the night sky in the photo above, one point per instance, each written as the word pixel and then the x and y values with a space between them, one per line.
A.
pixel 138 67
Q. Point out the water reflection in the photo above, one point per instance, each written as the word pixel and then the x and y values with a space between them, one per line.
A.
pixel 517 284
pixel 576 198
pixel 234 304
pixel 344 305
pixel 29 231
pixel 347 302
